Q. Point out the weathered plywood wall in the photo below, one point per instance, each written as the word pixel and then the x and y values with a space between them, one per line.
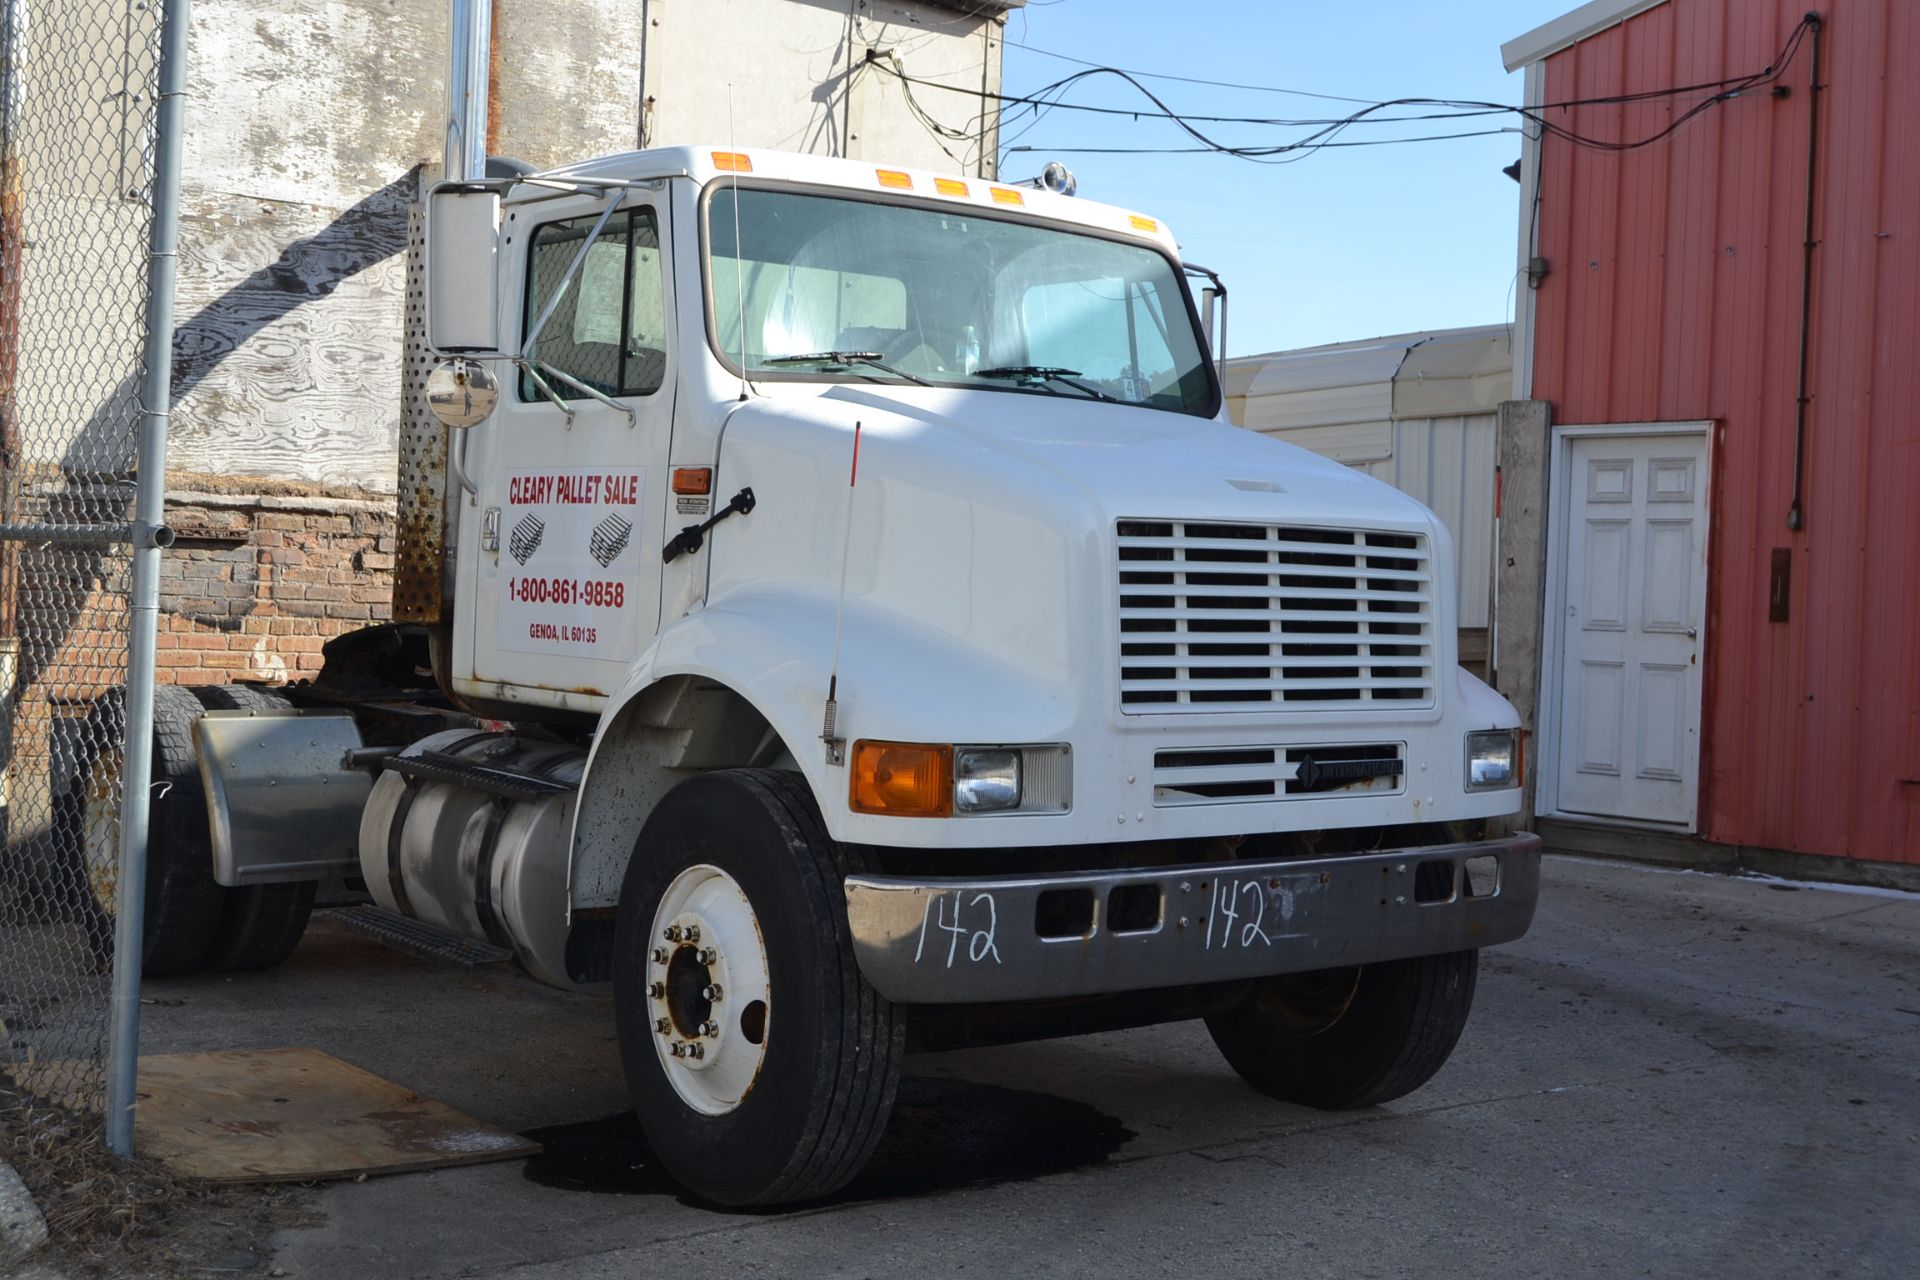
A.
pixel 306 124
pixel 74 204
pixel 793 74
pixel 311 121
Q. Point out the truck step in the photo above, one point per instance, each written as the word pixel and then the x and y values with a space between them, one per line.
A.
pixel 417 937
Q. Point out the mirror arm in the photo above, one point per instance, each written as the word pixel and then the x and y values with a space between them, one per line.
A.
pixel 584 389
pixel 566 280
pixel 596 186
pixel 527 366
pixel 457 463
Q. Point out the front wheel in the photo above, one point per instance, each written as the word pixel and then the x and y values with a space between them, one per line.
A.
pixel 1354 1037
pixel 762 1066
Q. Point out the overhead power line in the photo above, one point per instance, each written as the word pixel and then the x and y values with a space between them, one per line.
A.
pixel 1325 133
pixel 1211 84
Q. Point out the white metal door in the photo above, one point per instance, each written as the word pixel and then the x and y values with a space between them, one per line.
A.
pixel 1633 599
pixel 567 589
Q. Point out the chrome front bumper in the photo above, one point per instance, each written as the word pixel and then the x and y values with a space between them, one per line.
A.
pixel 962 940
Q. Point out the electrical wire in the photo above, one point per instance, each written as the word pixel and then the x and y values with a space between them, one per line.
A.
pixel 1212 84
pixel 1325 133
pixel 1364 102
pixel 1207 151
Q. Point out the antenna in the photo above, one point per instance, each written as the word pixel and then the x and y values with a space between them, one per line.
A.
pixel 739 284
pixel 829 731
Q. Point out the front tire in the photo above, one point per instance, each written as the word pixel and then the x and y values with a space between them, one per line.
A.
pixel 798 1058
pixel 1354 1037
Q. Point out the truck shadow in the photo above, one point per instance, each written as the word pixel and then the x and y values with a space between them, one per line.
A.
pixel 944 1135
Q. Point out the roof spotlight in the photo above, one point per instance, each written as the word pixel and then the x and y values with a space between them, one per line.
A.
pixel 1059 179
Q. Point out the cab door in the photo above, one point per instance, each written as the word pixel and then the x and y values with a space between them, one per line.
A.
pixel 571 487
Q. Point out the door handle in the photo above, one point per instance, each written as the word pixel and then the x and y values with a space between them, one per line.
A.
pixel 1693 633
pixel 688 540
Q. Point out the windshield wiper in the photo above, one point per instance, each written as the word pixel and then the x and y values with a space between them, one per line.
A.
pixel 873 358
pixel 1035 375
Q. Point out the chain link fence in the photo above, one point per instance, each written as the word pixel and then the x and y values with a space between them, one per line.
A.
pixel 77 140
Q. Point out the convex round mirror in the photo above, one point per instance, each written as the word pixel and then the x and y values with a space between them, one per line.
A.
pixel 462 393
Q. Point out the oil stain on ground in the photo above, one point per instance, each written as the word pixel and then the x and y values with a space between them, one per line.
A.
pixel 944 1134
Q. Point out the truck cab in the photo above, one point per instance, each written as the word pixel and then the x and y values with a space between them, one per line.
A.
pixel 861 628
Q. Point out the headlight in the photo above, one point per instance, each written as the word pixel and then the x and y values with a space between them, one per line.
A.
pixel 932 780
pixel 1493 760
pixel 985 779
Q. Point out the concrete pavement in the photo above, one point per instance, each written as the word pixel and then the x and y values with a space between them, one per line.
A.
pixel 1672 1075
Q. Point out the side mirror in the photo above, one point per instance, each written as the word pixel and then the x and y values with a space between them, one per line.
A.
pixel 463 278
pixel 461 393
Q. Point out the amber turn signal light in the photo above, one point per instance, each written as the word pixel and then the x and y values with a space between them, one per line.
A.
pixel 692 480
pixel 902 779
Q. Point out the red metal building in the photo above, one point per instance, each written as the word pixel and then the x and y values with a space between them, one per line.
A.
pixel 1725 261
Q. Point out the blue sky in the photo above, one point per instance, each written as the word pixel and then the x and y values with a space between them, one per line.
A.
pixel 1343 244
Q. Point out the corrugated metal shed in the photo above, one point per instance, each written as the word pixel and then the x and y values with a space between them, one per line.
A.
pixel 1675 294
pixel 1416 410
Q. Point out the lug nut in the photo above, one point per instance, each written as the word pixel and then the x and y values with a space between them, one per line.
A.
pixel 678 1050
pixel 696 1051
pixel 709 1028
pixel 693 933
pixel 662 1025
pixel 711 992
pixel 655 990
pixel 707 955
pixel 659 955
pixel 673 933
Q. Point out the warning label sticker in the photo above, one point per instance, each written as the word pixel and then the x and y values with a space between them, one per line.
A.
pixel 572 567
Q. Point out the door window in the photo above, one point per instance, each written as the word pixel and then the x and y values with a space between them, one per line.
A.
pixel 609 329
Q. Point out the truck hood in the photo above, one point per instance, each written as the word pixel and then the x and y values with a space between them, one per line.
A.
pixel 1126 461
pixel 986 519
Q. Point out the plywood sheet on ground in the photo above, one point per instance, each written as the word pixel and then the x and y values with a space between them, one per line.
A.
pixel 278 1115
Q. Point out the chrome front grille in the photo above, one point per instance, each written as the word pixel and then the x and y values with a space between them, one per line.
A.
pixel 1248 617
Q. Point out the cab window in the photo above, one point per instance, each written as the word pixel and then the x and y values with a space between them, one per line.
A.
pixel 609 329
pixel 1112 329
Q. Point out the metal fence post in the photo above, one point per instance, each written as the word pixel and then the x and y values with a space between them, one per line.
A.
pixel 149 536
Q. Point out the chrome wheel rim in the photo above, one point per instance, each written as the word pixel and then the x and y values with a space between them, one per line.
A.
pixel 707 990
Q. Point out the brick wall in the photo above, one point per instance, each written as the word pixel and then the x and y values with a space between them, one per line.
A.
pixel 256 583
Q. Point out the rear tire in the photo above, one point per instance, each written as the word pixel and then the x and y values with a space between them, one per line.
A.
pixel 184 902
pixel 787 1102
pixel 1346 1038
pixel 261 924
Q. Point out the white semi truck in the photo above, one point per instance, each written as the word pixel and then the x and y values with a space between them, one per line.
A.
pixel 848 621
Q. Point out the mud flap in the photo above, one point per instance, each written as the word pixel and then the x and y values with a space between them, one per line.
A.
pixel 282 803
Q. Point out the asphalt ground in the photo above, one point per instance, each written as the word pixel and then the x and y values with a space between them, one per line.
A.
pixel 1672 1075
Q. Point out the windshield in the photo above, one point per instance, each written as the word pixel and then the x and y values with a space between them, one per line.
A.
pixel 946 296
